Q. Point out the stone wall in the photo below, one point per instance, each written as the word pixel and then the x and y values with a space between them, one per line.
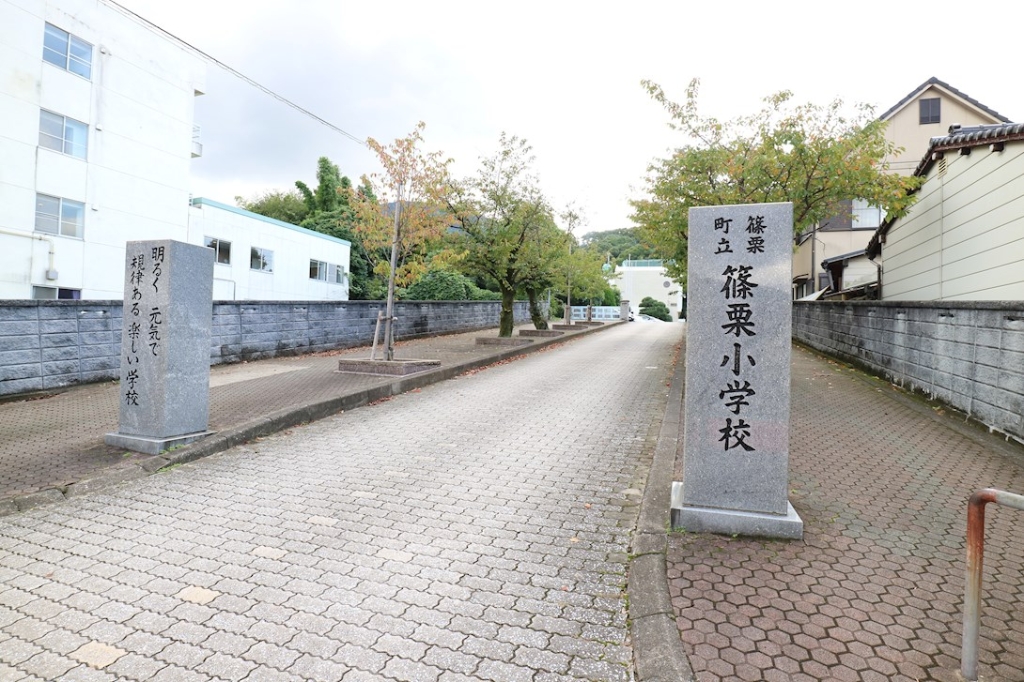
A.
pixel 49 344
pixel 969 355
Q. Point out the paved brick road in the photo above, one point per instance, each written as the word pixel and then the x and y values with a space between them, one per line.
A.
pixel 875 590
pixel 50 442
pixel 476 529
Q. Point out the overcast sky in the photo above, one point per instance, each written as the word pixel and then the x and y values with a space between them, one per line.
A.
pixel 563 74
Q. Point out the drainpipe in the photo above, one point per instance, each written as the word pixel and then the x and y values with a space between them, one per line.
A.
pixel 814 276
pixel 51 272
pixel 878 277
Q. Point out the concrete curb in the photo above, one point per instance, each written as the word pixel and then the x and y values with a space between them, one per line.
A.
pixel 658 653
pixel 272 423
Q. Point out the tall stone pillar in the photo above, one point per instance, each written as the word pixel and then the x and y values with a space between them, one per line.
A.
pixel 736 446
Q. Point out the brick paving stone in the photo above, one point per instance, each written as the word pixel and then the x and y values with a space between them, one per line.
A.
pixel 135 667
pixel 456 545
pixel 223 666
pixel 875 589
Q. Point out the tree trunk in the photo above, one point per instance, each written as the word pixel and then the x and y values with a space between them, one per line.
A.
pixel 536 312
pixel 508 319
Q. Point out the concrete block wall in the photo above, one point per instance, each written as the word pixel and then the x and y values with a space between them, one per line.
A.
pixel 49 344
pixel 969 355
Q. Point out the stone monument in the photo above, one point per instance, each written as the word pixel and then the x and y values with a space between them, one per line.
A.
pixel 736 443
pixel 165 346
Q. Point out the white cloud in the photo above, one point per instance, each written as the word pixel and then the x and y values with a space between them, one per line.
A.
pixel 562 74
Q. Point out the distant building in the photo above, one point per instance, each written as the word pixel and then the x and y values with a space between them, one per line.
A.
pixel 831 255
pixel 638 279
pixel 96 147
pixel 259 258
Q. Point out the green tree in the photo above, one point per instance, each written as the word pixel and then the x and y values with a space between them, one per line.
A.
pixel 440 285
pixel 619 245
pixel 285 206
pixel 587 276
pixel 327 210
pixel 541 268
pixel 654 308
pixel 814 156
pixel 506 229
pixel 332 191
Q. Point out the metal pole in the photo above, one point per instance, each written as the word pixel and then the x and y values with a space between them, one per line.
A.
pixel 389 339
pixel 975 563
pixel 972 584
pixel 568 285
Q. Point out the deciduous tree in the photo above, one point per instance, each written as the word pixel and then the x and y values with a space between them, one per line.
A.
pixel 286 206
pixel 814 156
pixel 506 226
pixel 414 183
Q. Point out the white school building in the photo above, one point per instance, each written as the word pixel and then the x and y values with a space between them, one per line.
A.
pixel 97 143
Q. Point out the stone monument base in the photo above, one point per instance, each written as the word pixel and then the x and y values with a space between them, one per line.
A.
pixel 386 367
pixel 787 526
pixel 152 446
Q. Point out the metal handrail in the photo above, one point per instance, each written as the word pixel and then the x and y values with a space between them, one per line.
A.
pixel 975 559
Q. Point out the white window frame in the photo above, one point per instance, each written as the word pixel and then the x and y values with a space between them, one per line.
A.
pixel 68 221
pixel 65 144
pixel 218 250
pixel 864 216
pixel 70 294
pixel 261 260
pixel 336 274
pixel 64 56
pixel 320 274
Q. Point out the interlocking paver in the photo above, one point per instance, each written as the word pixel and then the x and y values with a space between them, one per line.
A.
pixel 875 589
pixel 456 531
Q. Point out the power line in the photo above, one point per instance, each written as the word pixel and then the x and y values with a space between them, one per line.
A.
pixel 235 72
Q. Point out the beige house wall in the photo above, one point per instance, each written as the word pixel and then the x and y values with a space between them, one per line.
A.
pixel 828 244
pixel 905 128
pixel 859 271
pixel 964 238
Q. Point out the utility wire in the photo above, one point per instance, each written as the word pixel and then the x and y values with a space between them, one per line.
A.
pixel 235 72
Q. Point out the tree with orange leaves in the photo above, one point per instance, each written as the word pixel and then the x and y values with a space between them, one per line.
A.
pixel 413 184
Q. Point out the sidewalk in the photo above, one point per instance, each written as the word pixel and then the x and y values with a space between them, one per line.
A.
pixel 52 447
pixel 875 589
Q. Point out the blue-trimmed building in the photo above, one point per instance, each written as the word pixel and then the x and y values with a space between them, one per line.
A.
pixel 98 139
pixel 259 258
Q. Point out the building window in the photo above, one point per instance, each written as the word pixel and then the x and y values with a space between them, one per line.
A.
pixel 318 270
pixel 865 216
pixel 55 293
pixel 931 110
pixel 336 274
pixel 55 215
pixel 261 259
pixel 70 53
pixel 221 248
pixel 63 134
